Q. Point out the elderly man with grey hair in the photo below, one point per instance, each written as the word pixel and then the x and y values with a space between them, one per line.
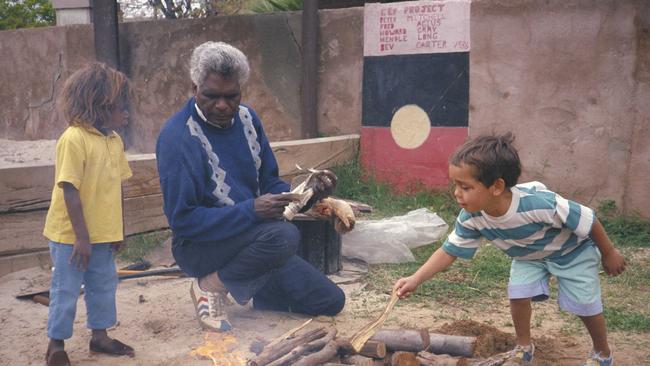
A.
pixel 224 203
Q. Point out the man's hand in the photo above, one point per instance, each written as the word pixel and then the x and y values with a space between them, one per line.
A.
pixel 323 184
pixel 613 262
pixel 271 206
pixel 405 286
pixel 80 254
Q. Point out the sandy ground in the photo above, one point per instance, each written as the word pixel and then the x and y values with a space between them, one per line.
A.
pixel 157 318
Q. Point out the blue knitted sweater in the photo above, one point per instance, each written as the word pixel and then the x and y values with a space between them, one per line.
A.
pixel 210 176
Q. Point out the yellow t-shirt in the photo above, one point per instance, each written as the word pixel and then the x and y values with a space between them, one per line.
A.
pixel 96 165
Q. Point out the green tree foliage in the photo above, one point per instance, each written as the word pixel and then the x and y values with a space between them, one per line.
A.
pixel 270 6
pixel 26 14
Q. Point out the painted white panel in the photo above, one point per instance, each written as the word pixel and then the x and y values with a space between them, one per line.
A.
pixel 416 27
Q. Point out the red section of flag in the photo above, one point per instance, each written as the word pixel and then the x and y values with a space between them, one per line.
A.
pixel 407 169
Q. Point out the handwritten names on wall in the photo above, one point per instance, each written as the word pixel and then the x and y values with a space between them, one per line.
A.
pixel 415 27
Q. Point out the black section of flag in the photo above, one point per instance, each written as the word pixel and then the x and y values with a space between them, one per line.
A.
pixel 437 83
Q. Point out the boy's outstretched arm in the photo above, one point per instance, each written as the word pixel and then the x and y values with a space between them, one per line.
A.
pixel 438 261
pixel 613 261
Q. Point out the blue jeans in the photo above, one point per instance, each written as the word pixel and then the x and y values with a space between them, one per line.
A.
pixel 100 284
pixel 262 264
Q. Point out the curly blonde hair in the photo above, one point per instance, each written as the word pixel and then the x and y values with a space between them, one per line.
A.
pixel 91 93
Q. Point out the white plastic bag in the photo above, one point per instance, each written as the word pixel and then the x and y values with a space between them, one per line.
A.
pixel 389 240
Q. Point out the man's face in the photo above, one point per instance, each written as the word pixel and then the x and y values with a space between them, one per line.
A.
pixel 218 98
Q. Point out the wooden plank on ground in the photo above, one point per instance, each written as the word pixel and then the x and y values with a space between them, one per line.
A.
pixel 13 263
pixel 30 187
pixel 26 187
pixel 21 232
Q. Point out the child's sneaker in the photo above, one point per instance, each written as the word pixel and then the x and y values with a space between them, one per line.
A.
pixel 595 359
pixel 523 354
pixel 210 308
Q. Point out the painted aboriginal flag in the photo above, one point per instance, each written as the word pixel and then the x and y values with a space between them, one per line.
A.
pixel 415 90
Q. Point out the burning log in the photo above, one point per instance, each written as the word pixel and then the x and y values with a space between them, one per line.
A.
pixel 270 354
pixel 410 340
pixel 451 345
pixel 401 358
pixel 430 359
pixel 357 360
pixel 373 349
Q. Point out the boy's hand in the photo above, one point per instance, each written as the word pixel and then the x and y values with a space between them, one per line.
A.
pixel 80 254
pixel 613 262
pixel 404 287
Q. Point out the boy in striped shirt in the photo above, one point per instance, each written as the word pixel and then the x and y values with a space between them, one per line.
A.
pixel 542 232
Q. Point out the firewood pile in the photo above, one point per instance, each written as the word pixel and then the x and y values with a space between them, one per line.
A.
pixel 396 347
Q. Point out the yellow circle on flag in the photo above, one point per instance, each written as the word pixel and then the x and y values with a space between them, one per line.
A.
pixel 410 126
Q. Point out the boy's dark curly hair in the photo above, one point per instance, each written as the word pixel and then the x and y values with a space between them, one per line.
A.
pixel 493 157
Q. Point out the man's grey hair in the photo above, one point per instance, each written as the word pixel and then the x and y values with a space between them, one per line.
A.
pixel 220 58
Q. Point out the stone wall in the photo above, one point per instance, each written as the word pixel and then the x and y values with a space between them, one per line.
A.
pixel 570 78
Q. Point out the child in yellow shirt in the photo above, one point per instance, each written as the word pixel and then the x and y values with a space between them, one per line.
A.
pixel 84 224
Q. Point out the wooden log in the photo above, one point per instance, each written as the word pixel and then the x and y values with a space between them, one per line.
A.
pixel 410 340
pixel 270 354
pixel 430 359
pixel 302 349
pixel 357 360
pixel 373 349
pixel 401 358
pixel 452 345
pixel 320 357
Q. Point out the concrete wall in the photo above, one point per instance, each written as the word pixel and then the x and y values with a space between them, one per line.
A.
pixel 33 67
pixel 570 78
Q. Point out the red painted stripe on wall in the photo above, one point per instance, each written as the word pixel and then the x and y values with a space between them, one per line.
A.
pixel 408 169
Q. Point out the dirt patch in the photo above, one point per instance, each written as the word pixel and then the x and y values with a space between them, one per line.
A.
pixel 489 340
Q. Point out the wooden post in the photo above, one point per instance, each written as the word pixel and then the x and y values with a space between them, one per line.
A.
pixel 106 34
pixel 310 57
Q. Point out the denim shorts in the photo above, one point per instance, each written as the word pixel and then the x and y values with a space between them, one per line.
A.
pixel 100 284
pixel 578 282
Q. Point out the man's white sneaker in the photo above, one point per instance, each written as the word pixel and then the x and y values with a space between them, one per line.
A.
pixel 210 308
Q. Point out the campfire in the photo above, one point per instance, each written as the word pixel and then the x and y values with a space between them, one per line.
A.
pixel 220 348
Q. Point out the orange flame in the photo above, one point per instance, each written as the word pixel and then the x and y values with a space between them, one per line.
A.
pixel 220 348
